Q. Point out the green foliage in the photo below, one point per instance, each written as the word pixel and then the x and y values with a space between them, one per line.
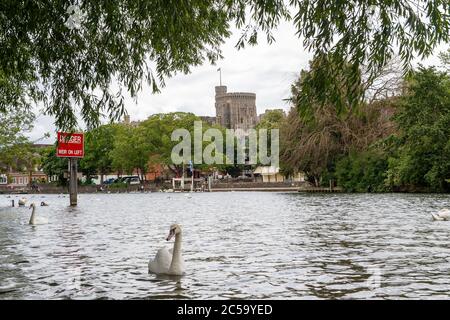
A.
pixel 445 59
pixel 55 166
pixel 117 185
pixel 328 83
pixel 272 119
pixel 98 145
pixel 16 151
pixel 417 156
pixel 159 127
pixel 130 150
pixel 114 45
pixel 13 124
pixel 150 142
pixel 125 42
pixel 422 157
pixel 363 171
pixel 314 136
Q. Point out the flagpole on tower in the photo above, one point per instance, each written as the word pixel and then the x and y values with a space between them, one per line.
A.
pixel 220 75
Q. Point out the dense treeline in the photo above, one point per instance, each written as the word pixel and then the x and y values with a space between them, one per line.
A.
pixel 397 143
pixel 140 147
pixel 396 139
pixel 126 148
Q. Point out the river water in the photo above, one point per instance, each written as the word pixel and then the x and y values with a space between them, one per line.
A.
pixel 235 245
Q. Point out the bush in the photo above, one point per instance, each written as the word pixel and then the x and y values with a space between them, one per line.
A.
pixel 117 185
pixel 363 172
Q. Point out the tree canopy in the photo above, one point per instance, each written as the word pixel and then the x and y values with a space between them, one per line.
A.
pixel 13 125
pixel 422 147
pixel 98 147
pixel 84 66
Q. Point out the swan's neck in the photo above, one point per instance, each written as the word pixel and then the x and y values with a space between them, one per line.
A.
pixel 176 254
pixel 32 218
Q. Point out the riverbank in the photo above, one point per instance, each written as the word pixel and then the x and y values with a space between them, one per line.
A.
pixel 216 187
pixel 157 187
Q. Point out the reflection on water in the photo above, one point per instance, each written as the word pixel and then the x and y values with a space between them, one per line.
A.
pixel 235 245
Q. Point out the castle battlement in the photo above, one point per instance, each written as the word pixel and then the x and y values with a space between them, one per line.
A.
pixel 235 110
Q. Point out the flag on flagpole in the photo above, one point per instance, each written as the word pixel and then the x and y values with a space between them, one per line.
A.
pixel 220 75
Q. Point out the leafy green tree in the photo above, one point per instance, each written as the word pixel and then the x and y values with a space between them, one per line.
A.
pixel 45 57
pixel 272 119
pixel 13 124
pixel 24 157
pixel 158 129
pixel 363 171
pixel 55 166
pixel 445 59
pixel 422 156
pixel 130 151
pixel 314 136
pixel 310 147
pixel 99 143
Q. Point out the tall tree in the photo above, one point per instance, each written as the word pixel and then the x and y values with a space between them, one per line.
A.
pixel 315 136
pixel 99 144
pixel 55 166
pixel 131 150
pixel 14 123
pixel 422 156
pixel 158 129
pixel 272 119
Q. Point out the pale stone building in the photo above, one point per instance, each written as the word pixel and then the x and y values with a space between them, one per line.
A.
pixel 272 174
pixel 235 110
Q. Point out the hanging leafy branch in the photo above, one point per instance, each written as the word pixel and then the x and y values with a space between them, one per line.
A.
pixel 122 44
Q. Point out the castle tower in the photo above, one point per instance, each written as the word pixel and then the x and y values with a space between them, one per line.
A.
pixel 235 110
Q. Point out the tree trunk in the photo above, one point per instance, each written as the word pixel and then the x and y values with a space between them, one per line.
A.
pixel 316 182
pixel 175 169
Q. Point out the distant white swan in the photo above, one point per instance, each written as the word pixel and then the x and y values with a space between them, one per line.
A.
pixel 22 202
pixel 169 261
pixel 36 220
pixel 441 215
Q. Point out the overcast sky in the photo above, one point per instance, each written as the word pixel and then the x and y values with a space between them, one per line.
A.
pixel 267 70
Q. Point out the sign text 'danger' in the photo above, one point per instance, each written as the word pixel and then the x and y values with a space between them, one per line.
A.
pixel 70 145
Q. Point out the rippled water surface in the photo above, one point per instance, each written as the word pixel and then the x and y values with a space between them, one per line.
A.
pixel 235 245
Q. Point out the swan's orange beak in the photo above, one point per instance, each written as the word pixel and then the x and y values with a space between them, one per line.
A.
pixel 171 234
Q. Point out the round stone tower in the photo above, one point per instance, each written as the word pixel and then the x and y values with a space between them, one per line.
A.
pixel 235 110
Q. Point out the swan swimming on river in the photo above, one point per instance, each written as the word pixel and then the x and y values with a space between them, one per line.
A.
pixel 441 215
pixel 36 220
pixel 22 202
pixel 169 261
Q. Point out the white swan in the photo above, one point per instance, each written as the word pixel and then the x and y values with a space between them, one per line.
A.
pixel 443 214
pixel 169 261
pixel 22 202
pixel 36 220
